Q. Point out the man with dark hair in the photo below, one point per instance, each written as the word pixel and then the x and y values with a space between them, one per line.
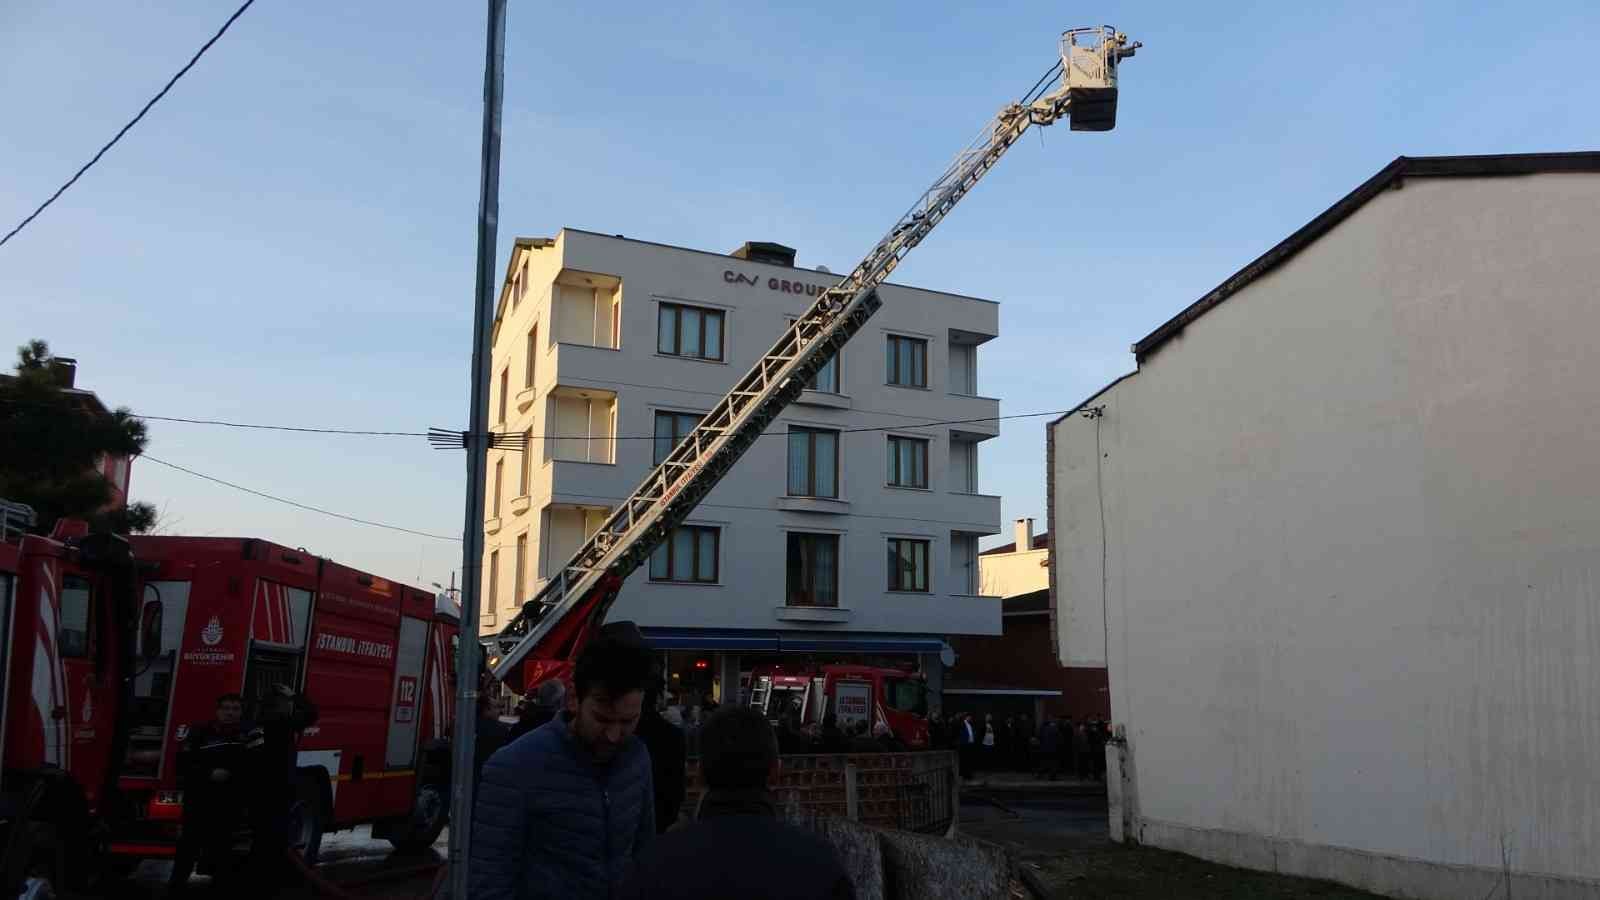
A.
pixel 667 750
pixel 565 810
pixel 547 702
pixel 213 770
pixel 737 848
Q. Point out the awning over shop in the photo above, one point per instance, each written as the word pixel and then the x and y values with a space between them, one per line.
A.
pixel 787 642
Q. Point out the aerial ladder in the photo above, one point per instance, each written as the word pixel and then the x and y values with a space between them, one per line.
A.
pixel 545 636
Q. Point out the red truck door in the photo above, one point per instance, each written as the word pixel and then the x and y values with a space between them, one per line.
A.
pixel 405 706
pixel 86 641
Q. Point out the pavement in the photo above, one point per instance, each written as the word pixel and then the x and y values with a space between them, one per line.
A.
pixel 1024 781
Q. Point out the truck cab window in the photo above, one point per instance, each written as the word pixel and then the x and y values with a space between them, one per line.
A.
pixel 906 695
pixel 77 603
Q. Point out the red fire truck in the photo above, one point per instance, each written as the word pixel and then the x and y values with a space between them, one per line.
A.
pixel 852 693
pixel 113 647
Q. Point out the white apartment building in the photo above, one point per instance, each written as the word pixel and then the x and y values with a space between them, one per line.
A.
pixel 850 532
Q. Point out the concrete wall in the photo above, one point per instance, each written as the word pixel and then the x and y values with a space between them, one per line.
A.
pixel 1351 535
pixel 750 505
pixel 1010 574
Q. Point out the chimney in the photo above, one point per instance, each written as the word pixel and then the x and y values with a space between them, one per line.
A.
pixel 765 252
pixel 64 371
pixel 1022 533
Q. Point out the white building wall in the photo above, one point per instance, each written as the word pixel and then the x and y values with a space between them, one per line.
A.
pixel 1351 534
pixel 750 504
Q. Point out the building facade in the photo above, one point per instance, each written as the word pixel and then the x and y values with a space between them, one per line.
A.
pixel 851 530
pixel 1337 538
pixel 1017 673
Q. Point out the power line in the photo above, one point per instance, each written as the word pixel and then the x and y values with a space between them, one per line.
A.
pixel 131 122
pixel 510 438
pixel 298 505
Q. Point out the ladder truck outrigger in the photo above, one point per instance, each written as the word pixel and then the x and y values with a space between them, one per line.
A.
pixel 543 640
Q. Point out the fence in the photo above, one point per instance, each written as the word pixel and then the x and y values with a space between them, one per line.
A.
pixel 904 791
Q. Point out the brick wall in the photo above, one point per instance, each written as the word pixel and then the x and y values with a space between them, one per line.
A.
pixel 1022 657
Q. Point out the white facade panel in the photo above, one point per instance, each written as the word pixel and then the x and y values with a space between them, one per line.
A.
pixel 1345 531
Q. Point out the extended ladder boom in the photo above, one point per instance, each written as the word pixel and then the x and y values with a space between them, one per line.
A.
pixel 555 623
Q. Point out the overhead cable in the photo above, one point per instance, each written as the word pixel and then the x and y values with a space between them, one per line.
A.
pixel 131 122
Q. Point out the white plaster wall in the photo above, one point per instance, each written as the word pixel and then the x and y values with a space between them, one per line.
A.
pixel 1010 574
pixel 1352 533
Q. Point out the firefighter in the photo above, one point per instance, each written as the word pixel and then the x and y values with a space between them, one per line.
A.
pixel 284 715
pixel 213 769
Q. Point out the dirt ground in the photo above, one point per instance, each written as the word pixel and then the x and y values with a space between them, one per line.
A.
pixel 1059 840
pixel 1103 871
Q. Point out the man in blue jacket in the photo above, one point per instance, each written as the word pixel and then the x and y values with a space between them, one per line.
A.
pixel 567 809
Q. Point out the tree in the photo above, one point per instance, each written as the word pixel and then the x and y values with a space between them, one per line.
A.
pixel 54 442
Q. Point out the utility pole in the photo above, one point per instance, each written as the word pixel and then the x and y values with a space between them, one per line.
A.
pixel 477 441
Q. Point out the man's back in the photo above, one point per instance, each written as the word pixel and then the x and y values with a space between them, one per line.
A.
pixel 740 857
pixel 550 822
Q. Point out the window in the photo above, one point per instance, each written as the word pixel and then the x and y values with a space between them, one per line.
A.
pixel 827 377
pixel 908 565
pixel 531 366
pixel 517 582
pixel 908 361
pixel 908 462
pixel 494 580
pixel 963 369
pixel 906 695
pixel 689 555
pixel 671 428
pixel 505 388
pixel 499 472
pixel 813 462
pixel 526 475
pixel 813 570
pixel 522 281
pixel 689 331
pixel 77 605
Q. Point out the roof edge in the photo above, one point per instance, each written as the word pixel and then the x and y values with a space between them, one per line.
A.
pixel 1391 174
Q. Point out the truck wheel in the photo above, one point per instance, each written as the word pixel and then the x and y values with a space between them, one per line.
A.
pixel 305 819
pixel 429 813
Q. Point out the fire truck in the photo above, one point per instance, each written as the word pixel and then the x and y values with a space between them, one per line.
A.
pixel 114 647
pixel 869 694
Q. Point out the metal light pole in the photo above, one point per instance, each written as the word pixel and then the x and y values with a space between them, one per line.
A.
pixel 467 665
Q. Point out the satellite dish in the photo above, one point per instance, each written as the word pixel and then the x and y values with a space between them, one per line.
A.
pixel 947 655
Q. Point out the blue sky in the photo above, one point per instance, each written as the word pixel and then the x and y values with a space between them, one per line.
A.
pixel 288 236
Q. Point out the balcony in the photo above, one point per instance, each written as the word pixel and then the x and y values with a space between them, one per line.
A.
pixel 830 506
pixel 814 614
pixel 582 425
pixel 519 505
pixel 525 398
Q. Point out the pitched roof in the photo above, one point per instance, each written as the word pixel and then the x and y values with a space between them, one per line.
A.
pixel 1390 176
pixel 1040 542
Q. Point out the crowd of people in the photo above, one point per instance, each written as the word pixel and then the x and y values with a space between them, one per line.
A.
pixel 1056 746
pixel 581 805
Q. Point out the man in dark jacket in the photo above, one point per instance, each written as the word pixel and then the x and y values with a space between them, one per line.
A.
pixel 548 699
pixel 214 763
pixel 564 811
pixel 737 848
pixel 667 750
pixel 284 714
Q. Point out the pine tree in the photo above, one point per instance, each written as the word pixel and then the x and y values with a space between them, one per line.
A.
pixel 54 442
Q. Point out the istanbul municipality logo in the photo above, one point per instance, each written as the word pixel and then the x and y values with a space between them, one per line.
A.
pixel 211 635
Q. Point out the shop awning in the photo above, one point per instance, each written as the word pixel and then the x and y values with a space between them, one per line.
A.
pixel 781 642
